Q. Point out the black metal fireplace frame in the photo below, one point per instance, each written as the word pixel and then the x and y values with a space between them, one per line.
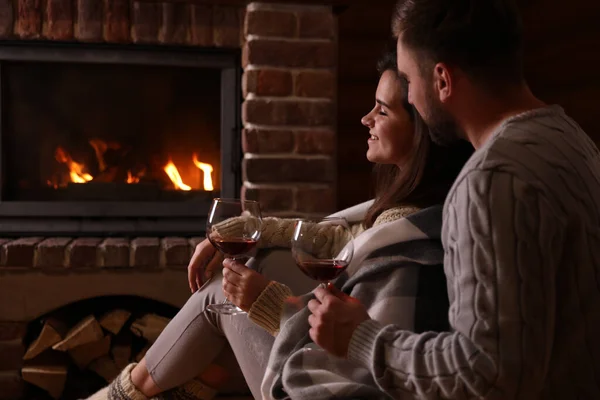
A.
pixel 128 218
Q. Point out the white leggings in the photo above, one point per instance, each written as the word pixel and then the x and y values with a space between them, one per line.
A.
pixel 195 339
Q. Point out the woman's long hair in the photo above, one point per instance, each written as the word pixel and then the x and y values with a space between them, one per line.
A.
pixel 430 171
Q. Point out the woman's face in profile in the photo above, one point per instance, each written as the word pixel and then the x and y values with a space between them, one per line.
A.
pixel 390 128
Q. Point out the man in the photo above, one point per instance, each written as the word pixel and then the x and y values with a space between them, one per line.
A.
pixel 521 226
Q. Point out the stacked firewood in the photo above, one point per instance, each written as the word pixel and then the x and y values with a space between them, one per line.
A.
pixel 104 344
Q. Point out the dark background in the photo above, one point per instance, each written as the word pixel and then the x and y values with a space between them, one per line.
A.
pixel 562 56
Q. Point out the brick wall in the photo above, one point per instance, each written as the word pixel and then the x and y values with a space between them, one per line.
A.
pixel 289 112
pixel 289 81
pixel 122 21
pixel 289 115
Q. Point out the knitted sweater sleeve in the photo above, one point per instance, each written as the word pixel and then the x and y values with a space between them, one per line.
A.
pixel 503 244
pixel 327 240
pixel 267 310
pixel 278 232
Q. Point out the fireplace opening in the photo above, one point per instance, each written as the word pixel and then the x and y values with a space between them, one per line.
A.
pixel 90 132
pixel 99 139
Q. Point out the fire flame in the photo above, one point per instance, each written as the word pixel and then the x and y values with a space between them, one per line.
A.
pixel 79 174
pixel 76 170
pixel 100 147
pixel 173 174
pixel 207 169
pixel 131 178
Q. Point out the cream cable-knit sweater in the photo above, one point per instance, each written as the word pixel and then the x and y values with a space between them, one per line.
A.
pixel 276 232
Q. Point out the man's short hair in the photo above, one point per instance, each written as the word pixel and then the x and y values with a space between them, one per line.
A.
pixel 481 37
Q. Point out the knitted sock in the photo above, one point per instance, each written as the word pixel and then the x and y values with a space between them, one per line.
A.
pixel 122 388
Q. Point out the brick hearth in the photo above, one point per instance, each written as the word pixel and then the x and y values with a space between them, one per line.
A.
pixel 58 253
pixel 39 275
pixel 289 57
pixel 59 259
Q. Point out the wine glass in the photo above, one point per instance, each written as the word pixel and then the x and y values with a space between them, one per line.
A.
pixel 322 248
pixel 233 227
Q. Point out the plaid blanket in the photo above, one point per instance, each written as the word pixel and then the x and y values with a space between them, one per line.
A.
pixel 397 273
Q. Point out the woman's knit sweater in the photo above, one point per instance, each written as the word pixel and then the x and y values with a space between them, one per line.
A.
pixel 276 232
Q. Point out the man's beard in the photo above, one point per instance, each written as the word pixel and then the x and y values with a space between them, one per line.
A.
pixel 443 128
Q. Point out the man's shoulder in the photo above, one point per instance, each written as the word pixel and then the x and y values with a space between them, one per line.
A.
pixel 546 152
pixel 537 146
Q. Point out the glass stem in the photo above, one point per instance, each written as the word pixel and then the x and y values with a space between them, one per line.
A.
pixel 226 301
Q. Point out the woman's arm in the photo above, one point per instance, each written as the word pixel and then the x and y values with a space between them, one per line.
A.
pixel 267 310
pixel 252 292
pixel 278 232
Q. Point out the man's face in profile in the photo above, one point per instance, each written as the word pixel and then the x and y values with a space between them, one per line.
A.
pixel 422 94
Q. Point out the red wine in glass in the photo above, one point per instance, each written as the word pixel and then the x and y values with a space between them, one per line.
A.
pixel 323 270
pixel 322 258
pixel 234 228
pixel 234 247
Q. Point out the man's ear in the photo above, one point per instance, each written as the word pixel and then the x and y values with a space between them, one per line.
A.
pixel 442 80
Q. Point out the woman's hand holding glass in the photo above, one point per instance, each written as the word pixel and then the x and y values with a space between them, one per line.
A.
pixel 242 286
pixel 205 262
pixel 233 228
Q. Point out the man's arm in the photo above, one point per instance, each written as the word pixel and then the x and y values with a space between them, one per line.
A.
pixel 503 243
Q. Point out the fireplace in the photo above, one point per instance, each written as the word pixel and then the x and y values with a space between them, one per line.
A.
pixel 101 139
pixel 97 98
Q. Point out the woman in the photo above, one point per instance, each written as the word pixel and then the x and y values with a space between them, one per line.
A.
pixel 412 178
